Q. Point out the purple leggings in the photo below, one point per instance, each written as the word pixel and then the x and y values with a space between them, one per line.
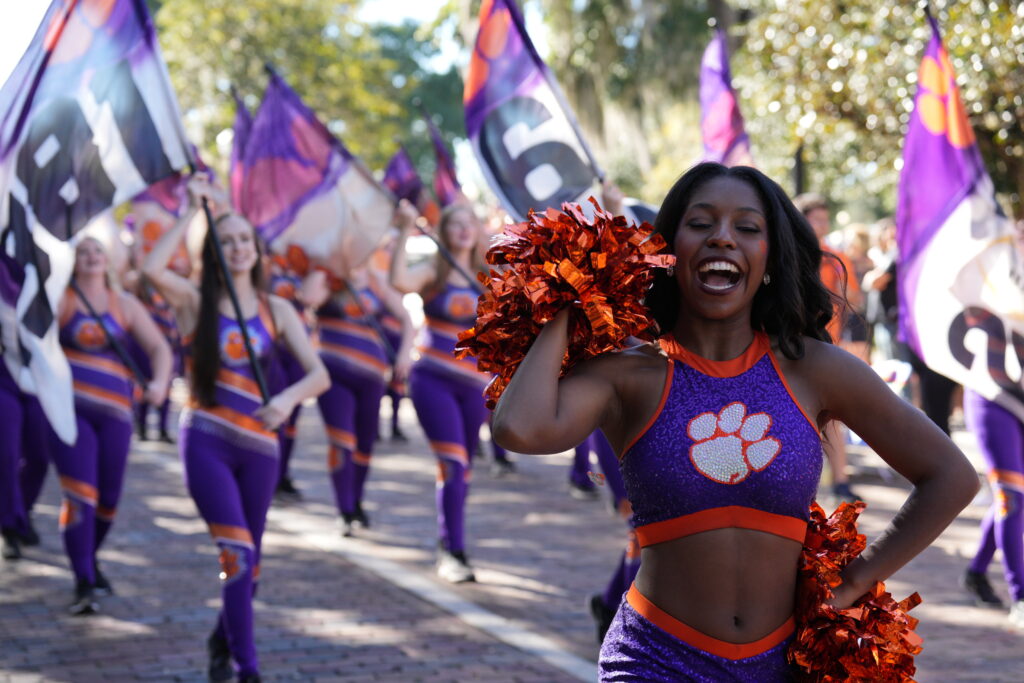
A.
pixel 451 412
pixel 91 477
pixel 1001 437
pixel 290 371
pixel 24 449
pixel 351 410
pixel 232 488
pixel 606 460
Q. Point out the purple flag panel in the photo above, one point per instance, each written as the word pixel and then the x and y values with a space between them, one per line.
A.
pixel 446 183
pixel 87 121
pixel 401 177
pixel 721 124
pixel 243 127
pixel 301 187
pixel 961 271
pixel 289 159
pixel 524 134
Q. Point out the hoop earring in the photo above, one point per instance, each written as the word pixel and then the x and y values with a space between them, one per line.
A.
pixel 767 279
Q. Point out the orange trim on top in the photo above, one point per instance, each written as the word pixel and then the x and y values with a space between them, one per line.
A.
pixel 792 396
pixel 236 380
pixel 229 532
pixel 718 368
pixel 728 517
pixel 702 641
pixel 98 363
pixel 105 395
pixel 348 327
pixel 80 489
pixel 465 367
pixel 446 328
pixel 346 352
pixel 237 420
pixel 657 413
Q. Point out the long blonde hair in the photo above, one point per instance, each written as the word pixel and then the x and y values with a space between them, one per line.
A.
pixel 441 265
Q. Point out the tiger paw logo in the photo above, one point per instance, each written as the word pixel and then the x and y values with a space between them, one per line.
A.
pixel 233 346
pixel 89 336
pixel 729 445
pixel 461 306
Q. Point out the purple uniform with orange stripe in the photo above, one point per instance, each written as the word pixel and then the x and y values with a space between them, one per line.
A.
pixel 352 349
pixel 348 339
pixel 92 469
pixel 285 284
pixel 231 469
pixel 729 447
pixel 447 313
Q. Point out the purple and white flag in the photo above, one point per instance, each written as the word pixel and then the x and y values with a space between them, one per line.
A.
pixel 88 120
pixel 301 187
pixel 960 271
pixel 721 124
pixel 523 132
pixel 401 177
pixel 242 129
pixel 446 183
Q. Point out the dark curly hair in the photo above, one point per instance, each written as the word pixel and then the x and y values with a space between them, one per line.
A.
pixel 796 304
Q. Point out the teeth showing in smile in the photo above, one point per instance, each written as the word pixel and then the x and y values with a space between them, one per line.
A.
pixel 718 275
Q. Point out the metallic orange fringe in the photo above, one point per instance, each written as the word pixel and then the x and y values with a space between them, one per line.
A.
pixel 873 640
pixel 600 268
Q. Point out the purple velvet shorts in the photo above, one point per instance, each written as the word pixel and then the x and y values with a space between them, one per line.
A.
pixel 646 644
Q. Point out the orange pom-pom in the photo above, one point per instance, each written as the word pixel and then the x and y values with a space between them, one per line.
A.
pixel 874 639
pixel 600 268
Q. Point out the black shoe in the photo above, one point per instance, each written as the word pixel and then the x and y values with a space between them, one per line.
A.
pixel 286 489
pixel 580 491
pixel 844 494
pixel 28 535
pixel 976 583
pixel 100 584
pixel 249 678
pixel 398 435
pixel 503 467
pixel 601 614
pixel 11 549
pixel 360 517
pixel 166 438
pixel 347 524
pixel 85 601
pixel 219 668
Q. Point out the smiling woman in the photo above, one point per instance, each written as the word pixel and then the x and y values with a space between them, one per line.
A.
pixel 717 430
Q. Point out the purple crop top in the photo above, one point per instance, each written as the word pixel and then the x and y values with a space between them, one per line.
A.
pixel 728 447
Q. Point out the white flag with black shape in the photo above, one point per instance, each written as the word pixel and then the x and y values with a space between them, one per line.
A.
pixel 88 120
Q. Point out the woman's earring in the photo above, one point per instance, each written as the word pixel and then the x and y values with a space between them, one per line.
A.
pixel 766 279
pixel 671 270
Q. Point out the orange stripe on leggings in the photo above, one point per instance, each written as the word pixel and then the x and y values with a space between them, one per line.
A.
pixel 105 513
pixel 79 489
pixel 1009 477
pixel 341 437
pixel 447 449
pixel 691 636
pixel 229 532
pixel 361 458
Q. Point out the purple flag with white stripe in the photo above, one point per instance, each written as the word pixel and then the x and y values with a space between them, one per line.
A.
pixel 523 132
pixel 960 272
pixel 401 177
pixel 721 124
pixel 88 120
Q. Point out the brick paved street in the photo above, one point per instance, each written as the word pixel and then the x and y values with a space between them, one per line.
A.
pixel 369 609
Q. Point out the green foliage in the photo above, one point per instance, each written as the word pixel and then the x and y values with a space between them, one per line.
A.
pixel 358 79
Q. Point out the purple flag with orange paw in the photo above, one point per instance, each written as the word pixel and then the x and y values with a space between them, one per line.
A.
pixel 961 271
pixel 721 123
pixel 523 132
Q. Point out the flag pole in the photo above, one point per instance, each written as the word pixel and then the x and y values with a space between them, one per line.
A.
pixel 447 256
pixel 115 344
pixel 257 371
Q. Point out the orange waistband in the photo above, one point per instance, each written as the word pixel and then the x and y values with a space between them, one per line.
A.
pixel 732 516
pixel 691 636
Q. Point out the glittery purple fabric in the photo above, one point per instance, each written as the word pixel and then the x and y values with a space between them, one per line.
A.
pixel 636 650
pixel 723 441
